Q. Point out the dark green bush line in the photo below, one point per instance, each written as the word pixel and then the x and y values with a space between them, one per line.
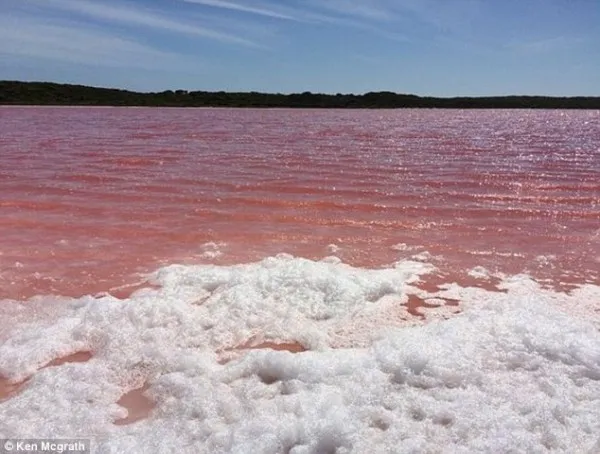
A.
pixel 46 93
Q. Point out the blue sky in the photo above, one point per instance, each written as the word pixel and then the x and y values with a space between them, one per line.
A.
pixel 426 47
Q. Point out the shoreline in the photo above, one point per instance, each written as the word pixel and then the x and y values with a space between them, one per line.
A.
pixel 48 93
pixel 157 370
pixel 93 106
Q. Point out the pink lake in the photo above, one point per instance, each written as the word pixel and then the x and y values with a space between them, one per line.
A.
pixel 92 197
pixel 461 311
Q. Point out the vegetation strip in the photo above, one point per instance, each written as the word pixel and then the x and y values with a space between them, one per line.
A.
pixel 46 93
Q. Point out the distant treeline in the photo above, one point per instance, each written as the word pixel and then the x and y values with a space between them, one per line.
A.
pixel 45 93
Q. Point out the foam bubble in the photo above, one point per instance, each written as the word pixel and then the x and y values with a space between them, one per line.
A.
pixel 333 248
pixel 479 272
pixel 212 250
pixel 402 247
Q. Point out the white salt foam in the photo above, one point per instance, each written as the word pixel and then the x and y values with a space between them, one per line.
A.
pixel 514 372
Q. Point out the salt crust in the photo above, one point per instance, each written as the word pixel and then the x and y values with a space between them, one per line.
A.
pixel 515 371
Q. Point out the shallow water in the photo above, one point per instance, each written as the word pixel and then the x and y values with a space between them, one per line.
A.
pixel 91 196
pixel 301 281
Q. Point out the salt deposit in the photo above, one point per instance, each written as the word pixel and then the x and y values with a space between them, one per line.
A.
pixel 514 371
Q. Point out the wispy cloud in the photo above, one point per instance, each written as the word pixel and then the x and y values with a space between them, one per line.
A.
pixel 391 19
pixel 272 10
pixel 258 9
pixel 371 10
pixel 339 13
pixel 41 39
pixel 143 18
pixel 439 14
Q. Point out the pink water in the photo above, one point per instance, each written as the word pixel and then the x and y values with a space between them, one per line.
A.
pixel 90 197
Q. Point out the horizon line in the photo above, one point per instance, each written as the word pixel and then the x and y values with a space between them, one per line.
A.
pixel 176 90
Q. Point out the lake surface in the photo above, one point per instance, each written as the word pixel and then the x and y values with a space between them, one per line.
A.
pixel 301 281
pixel 91 196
